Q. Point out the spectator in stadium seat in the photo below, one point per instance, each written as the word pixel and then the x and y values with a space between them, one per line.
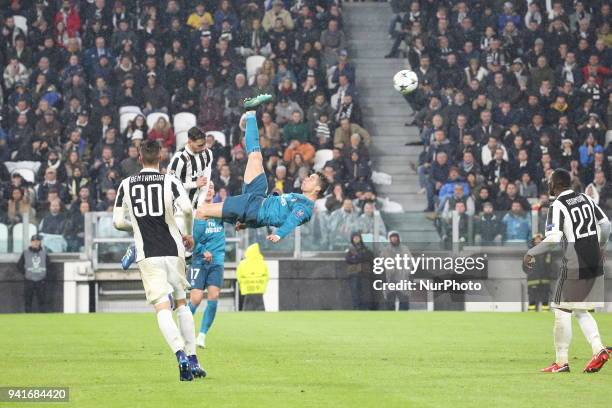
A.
pixel 367 219
pixel 75 227
pixel 18 205
pixel 335 200
pixel 270 131
pixel 497 168
pixel 357 146
pixel 130 165
pixel 50 182
pixel 433 179
pixel 488 228
pixel 277 11
pixel 34 264
pixel 254 39
pixel 588 149
pixel 199 17
pixel 15 73
pixel 76 180
pixel 55 221
pixel 19 133
pixel 333 40
pixel 540 73
pixel 225 179
pixel 527 188
pixel 488 150
pixel 448 187
pixel 294 166
pixel 468 164
pixel 162 131
pixel 279 183
pixel 284 110
pixel 592 125
pixel 111 180
pixel 600 190
pixel 341 223
pixel 349 109
pixel 296 129
pixel 517 224
pixel 111 141
pixel 342 135
pixel 108 201
pixel 53 161
pixel 49 128
pixel 509 196
pixel 155 98
pixel 508 15
pixel 84 195
pixel 304 149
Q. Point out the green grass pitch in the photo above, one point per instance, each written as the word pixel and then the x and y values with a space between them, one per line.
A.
pixel 306 359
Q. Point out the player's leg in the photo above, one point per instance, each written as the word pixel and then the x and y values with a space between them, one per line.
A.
pixel 209 314
pixel 214 281
pixel 562 334
pixel 254 165
pixel 176 278
pixel 209 210
pixel 195 298
pixel 155 281
pixel 589 328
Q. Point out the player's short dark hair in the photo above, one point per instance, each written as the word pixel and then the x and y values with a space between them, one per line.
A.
pixel 149 151
pixel 195 133
pixel 323 183
pixel 561 178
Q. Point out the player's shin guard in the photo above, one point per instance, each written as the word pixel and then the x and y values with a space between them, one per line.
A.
pixel 251 137
pixel 187 327
pixel 192 307
pixel 209 315
pixel 169 330
pixel 589 328
pixel 562 333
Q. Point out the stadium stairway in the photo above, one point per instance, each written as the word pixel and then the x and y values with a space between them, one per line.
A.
pixel 385 111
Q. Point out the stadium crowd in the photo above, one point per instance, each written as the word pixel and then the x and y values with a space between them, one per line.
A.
pixel 508 91
pixel 71 70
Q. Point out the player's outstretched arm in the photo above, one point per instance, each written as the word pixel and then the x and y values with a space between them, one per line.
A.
pixel 120 213
pixel 295 219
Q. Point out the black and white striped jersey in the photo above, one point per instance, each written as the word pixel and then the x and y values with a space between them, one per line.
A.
pixel 574 218
pixel 149 198
pixel 187 167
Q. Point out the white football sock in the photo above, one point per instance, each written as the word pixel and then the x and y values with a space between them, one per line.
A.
pixel 187 326
pixel 589 329
pixel 562 332
pixel 168 328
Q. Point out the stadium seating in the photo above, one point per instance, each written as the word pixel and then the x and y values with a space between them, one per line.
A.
pixel 183 121
pixel 219 136
pixel 18 236
pixel 125 118
pixel 27 169
pixel 152 118
pixel 21 22
pixel 181 139
pixel 129 109
pixel 253 64
pixel 321 157
pixel 4 239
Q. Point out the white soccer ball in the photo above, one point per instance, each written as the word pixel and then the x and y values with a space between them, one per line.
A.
pixel 405 81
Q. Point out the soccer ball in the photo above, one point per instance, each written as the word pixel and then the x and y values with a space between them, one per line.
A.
pixel 405 81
